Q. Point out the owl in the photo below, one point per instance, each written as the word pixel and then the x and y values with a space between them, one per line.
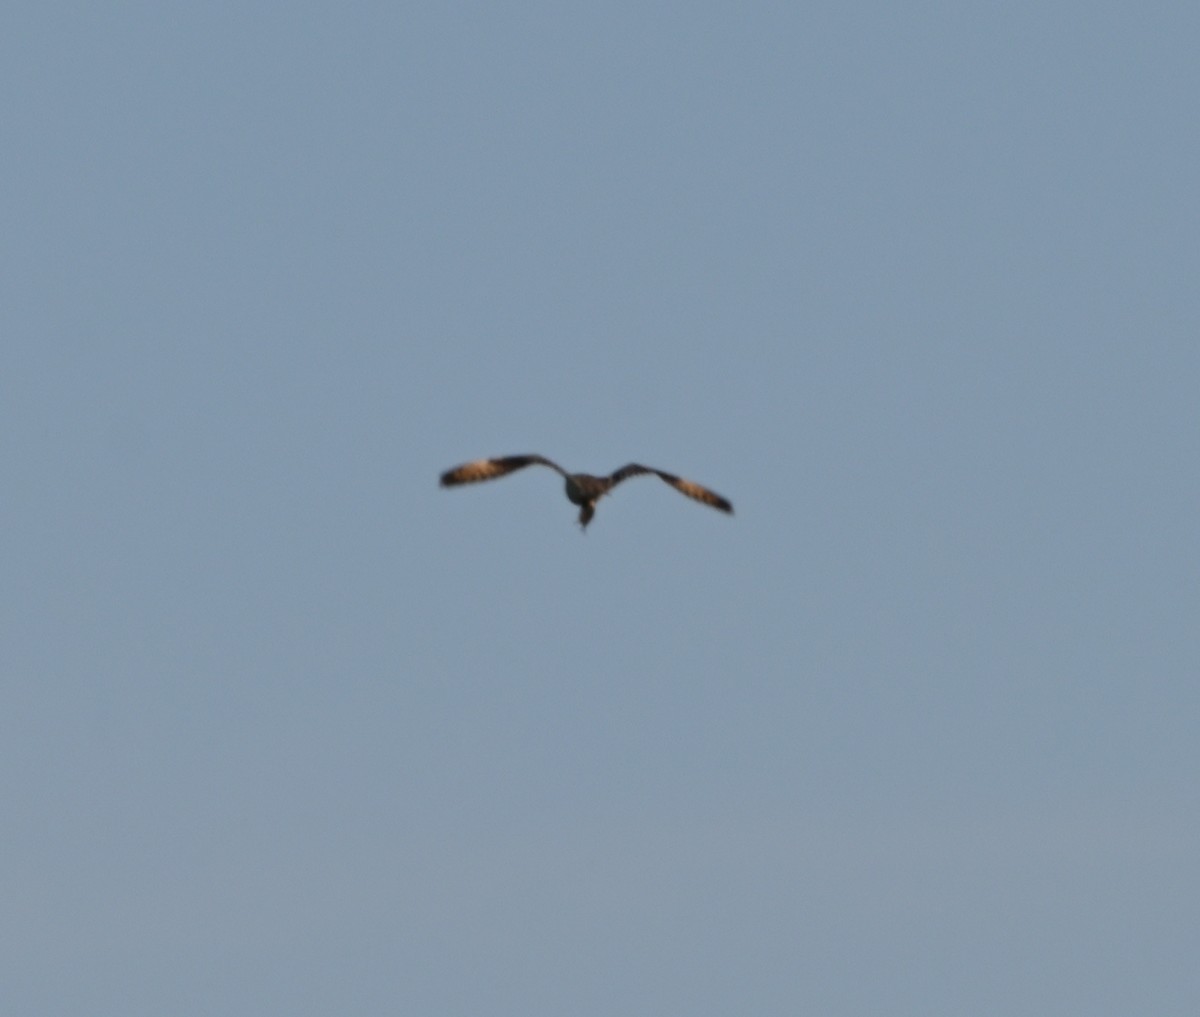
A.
pixel 582 489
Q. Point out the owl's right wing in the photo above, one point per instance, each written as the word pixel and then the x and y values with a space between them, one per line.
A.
pixel 690 488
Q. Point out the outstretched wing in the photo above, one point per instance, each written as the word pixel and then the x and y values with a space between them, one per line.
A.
pixel 489 469
pixel 691 489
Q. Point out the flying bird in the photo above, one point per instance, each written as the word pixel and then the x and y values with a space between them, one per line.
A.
pixel 583 489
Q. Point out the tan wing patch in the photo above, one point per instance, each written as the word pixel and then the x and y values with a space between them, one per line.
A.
pixel 701 494
pixel 480 469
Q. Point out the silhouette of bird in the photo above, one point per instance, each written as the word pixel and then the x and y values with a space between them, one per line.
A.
pixel 583 489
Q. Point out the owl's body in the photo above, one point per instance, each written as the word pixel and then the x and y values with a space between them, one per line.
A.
pixel 582 489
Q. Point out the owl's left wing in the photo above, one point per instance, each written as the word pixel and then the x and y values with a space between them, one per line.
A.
pixel 489 469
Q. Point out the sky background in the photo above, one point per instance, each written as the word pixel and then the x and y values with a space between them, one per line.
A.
pixel 287 729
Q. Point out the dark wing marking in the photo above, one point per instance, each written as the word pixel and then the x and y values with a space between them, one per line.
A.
pixel 489 469
pixel 691 489
pixel 632 470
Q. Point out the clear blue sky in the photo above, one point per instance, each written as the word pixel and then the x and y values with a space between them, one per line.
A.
pixel 286 729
